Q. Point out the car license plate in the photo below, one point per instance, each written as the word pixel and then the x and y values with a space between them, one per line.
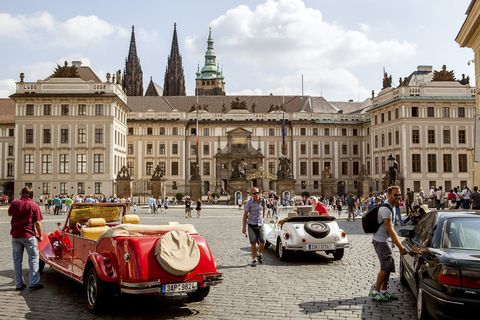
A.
pixel 323 246
pixel 179 287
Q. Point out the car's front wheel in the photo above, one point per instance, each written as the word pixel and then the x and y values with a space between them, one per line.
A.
pixel 199 295
pixel 422 312
pixel 338 254
pixel 95 291
pixel 283 253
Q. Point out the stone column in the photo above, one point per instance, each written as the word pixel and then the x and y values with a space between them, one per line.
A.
pixel 123 183
pixel 195 189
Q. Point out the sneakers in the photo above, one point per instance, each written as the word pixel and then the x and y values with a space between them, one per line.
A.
pixel 379 297
pixel 389 295
pixel 36 287
pixel 260 259
pixel 254 263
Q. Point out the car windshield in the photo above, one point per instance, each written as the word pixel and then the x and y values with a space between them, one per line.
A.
pixel 462 233
pixel 297 211
pixel 111 214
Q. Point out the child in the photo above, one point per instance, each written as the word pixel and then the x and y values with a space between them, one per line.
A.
pixel 134 208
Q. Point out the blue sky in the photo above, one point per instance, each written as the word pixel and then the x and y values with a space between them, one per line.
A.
pixel 339 46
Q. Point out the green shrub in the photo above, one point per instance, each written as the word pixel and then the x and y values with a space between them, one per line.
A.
pixel 179 196
pixel 213 194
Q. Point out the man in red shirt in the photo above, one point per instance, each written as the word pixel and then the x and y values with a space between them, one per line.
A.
pixel 26 217
pixel 319 206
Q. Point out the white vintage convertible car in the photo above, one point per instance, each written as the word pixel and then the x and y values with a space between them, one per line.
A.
pixel 298 228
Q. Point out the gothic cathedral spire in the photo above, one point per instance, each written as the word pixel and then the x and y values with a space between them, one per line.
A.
pixel 174 83
pixel 132 81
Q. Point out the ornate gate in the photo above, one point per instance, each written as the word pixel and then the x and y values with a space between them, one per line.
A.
pixel 141 191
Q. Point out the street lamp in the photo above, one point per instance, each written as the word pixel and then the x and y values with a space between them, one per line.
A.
pixel 392 170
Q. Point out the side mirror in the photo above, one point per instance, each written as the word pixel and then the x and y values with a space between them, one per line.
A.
pixel 406 233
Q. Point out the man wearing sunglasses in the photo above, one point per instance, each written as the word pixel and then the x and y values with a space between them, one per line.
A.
pixel 382 242
pixel 253 215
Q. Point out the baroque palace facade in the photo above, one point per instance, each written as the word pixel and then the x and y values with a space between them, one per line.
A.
pixel 72 133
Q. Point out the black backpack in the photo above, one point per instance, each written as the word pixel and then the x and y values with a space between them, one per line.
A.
pixel 370 218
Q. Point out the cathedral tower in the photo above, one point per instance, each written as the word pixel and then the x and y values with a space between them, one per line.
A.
pixel 174 83
pixel 132 81
pixel 210 80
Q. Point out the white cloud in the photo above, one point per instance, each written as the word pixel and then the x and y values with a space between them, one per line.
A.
pixel 7 87
pixel 41 27
pixel 280 40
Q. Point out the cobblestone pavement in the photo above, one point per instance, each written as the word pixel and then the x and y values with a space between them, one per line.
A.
pixel 309 286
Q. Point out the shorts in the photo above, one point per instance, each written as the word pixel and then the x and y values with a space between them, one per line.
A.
pixel 384 252
pixel 255 234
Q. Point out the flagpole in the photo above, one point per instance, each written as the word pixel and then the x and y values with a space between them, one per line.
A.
pixel 284 131
pixel 198 135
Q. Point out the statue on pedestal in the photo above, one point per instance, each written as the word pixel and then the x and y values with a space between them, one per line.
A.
pixel 239 170
pixel 123 173
pixel 284 168
pixel 157 174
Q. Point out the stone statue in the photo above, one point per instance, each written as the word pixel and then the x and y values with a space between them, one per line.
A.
pixel 363 172
pixel 108 77
pixel 158 172
pixel 464 80
pixel 224 108
pixel 238 105
pixel 326 173
pixel 387 81
pixel 123 173
pixel 119 77
pixel 239 170
pixel 394 173
pixel 272 108
pixel 284 168
pixel 65 71
pixel 373 94
pixel 254 108
pixel 443 75
pixel 113 78
pixel 195 170
pixel 22 76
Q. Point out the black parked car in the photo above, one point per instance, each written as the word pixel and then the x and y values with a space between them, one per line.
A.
pixel 444 274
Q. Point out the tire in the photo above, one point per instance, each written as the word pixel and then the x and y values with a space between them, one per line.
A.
pixel 95 291
pixel 403 279
pixel 317 229
pixel 198 295
pixel 283 253
pixel 41 265
pixel 422 312
pixel 338 254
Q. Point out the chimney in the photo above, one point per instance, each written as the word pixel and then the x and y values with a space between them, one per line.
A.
pixel 425 68
pixel 77 64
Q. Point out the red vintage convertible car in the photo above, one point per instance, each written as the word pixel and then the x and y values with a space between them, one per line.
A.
pixel 106 250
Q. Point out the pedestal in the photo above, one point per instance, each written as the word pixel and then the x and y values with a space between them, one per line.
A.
pixel 363 187
pixel 285 185
pixel 327 188
pixel 195 189
pixel 123 188
pixel 157 187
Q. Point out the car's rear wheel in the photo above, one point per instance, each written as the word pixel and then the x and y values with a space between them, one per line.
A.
pixel 403 279
pixel 317 229
pixel 283 253
pixel 338 254
pixel 41 265
pixel 95 291
pixel 199 295
pixel 422 312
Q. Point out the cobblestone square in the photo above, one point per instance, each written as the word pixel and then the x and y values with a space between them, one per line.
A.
pixel 309 286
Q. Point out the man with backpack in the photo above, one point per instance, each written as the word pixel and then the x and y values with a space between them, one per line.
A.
pixel 351 207
pixel 382 242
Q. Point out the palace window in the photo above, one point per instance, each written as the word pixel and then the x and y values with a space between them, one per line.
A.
pixel 82 110
pixel 149 148
pixel 447 163
pixel 206 149
pixel 303 168
pixel 174 148
pixel 46 163
pixel 63 135
pixel 130 148
pixel 431 136
pixel 461 112
pixel 47 109
pixel 81 135
pixel 174 168
pixel 98 188
pixel 416 163
pixel 149 168
pixel 64 163
pixel 415 112
pixel 28 135
pixel 315 148
pixel 430 112
pixel 99 109
pixel 431 162
pixel 161 148
pixel 271 149
pixel 29 109
pixel 149 131
pixel 315 168
pixel 446 136
pixel 98 163
pixel 81 188
pixel 47 135
pixel 98 135
pixel 64 109
pixel 206 168
pixel 462 163
pixel 81 163
pixel 462 136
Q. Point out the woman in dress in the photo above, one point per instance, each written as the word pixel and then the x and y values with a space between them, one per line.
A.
pixel 199 207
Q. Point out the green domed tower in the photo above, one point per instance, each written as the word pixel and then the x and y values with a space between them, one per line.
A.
pixel 210 80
